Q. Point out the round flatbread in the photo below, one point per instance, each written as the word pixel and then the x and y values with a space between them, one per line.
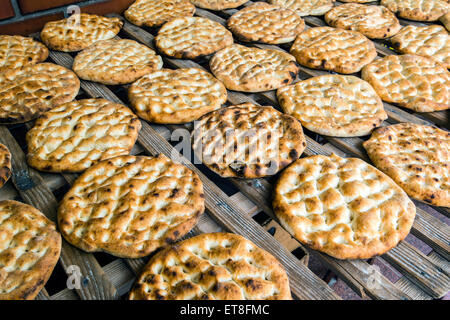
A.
pixel 29 250
pixel 266 23
pixel 218 4
pixel 192 37
pixel 212 266
pixel 247 141
pixel 411 81
pixel 416 157
pixel 419 10
pixel 79 31
pixel 114 62
pixel 176 96
pixel 75 135
pixel 251 69
pixel 343 207
pixel 27 92
pixel 130 206
pixel 375 22
pixel 18 51
pixel 5 165
pixel 305 7
pixel 428 41
pixel 357 1
pixel 334 105
pixel 339 50
pixel 153 13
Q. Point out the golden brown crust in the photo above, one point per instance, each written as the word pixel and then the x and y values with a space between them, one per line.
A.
pixel 338 50
pixel 419 10
pixel 247 141
pixel 79 31
pixel 78 134
pixel 334 105
pixel 5 165
pixel 266 23
pixel 212 266
pixel 27 92
pixel 343 207
pixel 375 22
pixel 430 41
pixel 29 250
pixel 114 62
pixel 130 206
pixel 411 81
pixel 445 19
pixel 192 37
pixel 251 69
pixel 306 7
pixel 18 51
pixel 218 4
pixel 153 13
pixel 176 96
pixel 416 157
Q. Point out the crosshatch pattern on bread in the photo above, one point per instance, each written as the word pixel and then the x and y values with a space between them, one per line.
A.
pixel 251 69
pixel 176 96
pixel 153 13
pixel 429 41
pixel 411 81
pixel 218 4
pixel 79 31
pixel 116 62
pixel 266 23
pixel 130 206
pixel 372 21
pixel 5 165
pixel 306 7
pixel 334 105
pixel 18 51
pixel 29 250
pixel 343 207
pixel 419 10
pixel 27 92
pixel 212 266
pixel 78 134
pixel 192 37
pixel 247 141
pixel 416 157
pixel 332 49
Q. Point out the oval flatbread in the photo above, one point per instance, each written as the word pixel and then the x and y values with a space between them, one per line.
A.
pixel 218 4
pixel 419 10
pixel 130 206
pixel 334 105
pixel 305 7
pixel 343 207
pixel 29 250
pixel 5 165
pixel 212 266
pixel 411 81
pixel 75 135
pixel 416 157
pixel 247 141
pixel 18 51
pixel 251 69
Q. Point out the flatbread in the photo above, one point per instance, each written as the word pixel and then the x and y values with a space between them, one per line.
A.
pixel 5 165
pixel 411 81
pixel 343 207
pixel 79 31
pixel 18 51
pixel 218 4
pixel 419 10
pixel 334 105
pixel 176 96
pixel 29 250
pixel 192 37
pixel 332 49
pixel 247 141
pixel 306 7
pixel 114 62
pixel 212 266
pixel 75 135
pixel 416 157
pixel 27 92
pixel 251 69
pixel 130 206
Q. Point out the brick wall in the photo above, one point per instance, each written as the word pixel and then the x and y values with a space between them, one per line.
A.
pixel 28 16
